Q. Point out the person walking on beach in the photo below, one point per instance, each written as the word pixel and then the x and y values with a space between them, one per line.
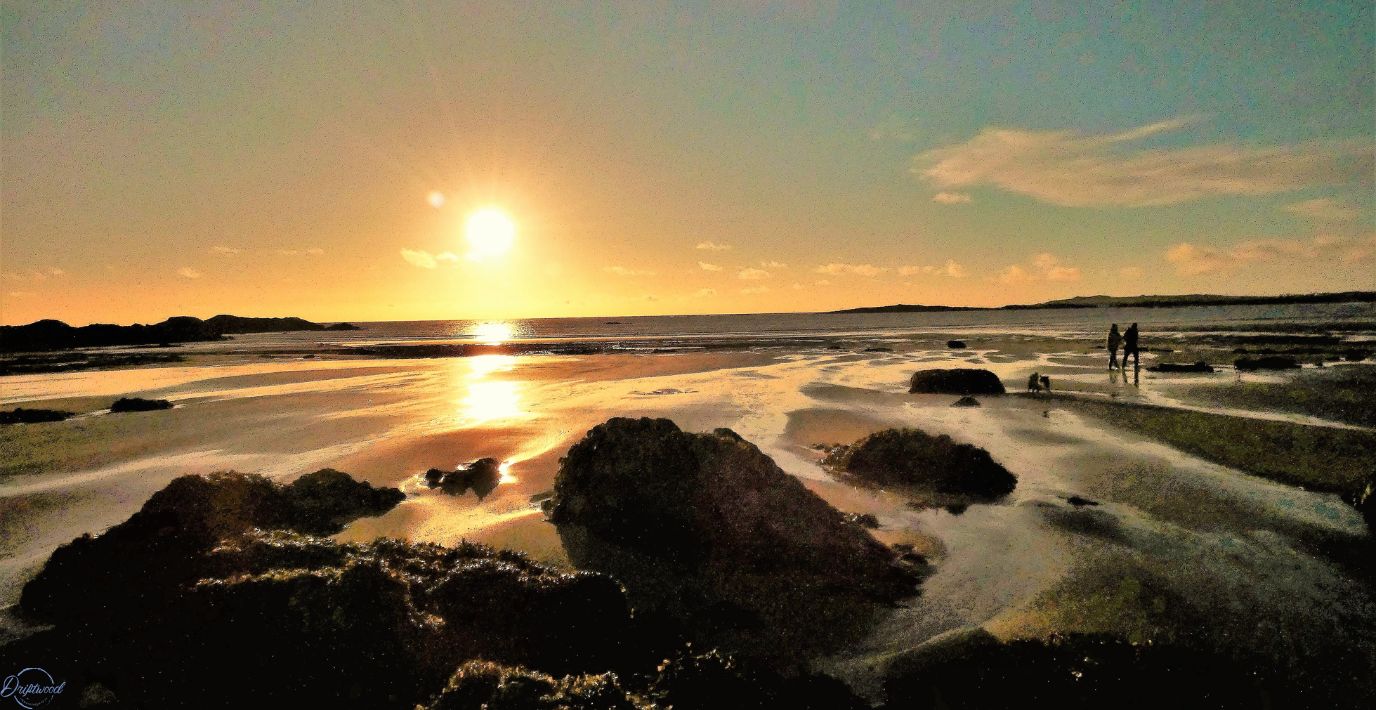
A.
pixel 1130 347
pixel 1114 338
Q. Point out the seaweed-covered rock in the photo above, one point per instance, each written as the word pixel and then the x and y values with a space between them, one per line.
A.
pixel 1198 366
pixel 1266 362
pixel 138 404
pixel 707 530
pixel 955 344
pixel 20 415
pixel 161 547
pixel 321 503
pixel 482 684
pixel 210 584
pixel 938 470
pixel 958 380
pixel 969 668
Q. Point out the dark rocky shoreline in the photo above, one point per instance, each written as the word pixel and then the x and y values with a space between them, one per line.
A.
pixel 707 578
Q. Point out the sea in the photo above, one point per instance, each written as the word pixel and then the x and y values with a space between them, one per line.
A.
pixel 1355 322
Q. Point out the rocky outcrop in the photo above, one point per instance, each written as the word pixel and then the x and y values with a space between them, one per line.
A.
pixel 706 530
pixel 343 326
pixel 55 335
pixel 20 415
pixel 936 470
pixel 212 596
pixel 138 404
pixel 1266 362
pixel 970 668
pixel 482 476
pixel 966 401
pixel 955 344
pixel 960 380
pixel 213 581
pixel 1198 366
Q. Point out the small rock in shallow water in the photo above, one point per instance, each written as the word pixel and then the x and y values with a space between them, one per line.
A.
pixel 137 404
pixel 966 401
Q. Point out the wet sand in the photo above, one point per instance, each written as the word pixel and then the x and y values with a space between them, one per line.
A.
pixel 1178 547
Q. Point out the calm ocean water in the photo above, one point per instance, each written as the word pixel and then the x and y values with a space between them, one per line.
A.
pixel 762 328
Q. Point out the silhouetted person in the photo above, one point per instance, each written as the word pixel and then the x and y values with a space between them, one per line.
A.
pixel 1114 339
pixel 1034 383
pixel 1046 383
pixel 1130 348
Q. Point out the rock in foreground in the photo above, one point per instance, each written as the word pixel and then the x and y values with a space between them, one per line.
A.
pixel 1266 362
pixel 707 530
pixel 960 380
pixel 939 471
pixel 969 668
pixel 1198 366
pixel 138 404
pixel 20 415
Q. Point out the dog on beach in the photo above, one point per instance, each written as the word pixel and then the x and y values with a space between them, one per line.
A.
pixel 1034 382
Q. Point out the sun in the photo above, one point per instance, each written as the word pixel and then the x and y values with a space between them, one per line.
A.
pixel 490 233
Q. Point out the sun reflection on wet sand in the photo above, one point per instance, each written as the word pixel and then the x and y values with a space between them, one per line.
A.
pixel 487 400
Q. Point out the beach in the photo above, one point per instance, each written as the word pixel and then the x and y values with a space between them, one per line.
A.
pixel 1123 521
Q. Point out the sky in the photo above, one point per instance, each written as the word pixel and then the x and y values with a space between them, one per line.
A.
pixel 323 159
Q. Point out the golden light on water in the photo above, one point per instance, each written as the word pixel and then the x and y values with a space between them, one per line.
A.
pixel 484 399
pixel 492 333
pixel 490 233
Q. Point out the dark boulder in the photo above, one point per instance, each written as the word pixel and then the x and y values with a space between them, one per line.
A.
pixel 1267 362
pixel 706 530
pixel 960 380
pixel 210 583
pixel 20 415
pixel 323 502
pixel 138 404
pixel 966 401
pixel 482 476
pixel 1199 366
pixel 955 344
pixel 969 668
pixel 936 469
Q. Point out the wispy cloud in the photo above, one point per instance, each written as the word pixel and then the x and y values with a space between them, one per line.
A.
pixel 835 269
pixel 952 198
pixel 713 246
pixel 752 274
pixel 950 268
pixel 1042 267
pixel 225 250
pixel 447 257
pixel 624 271
pixel 1324 209
pixel 1073 169
pixel 708 267
pixel 187 272
pixel 1195 260
pixel 773 265
pixel 752 290
pixel 312 251
pixel 423 259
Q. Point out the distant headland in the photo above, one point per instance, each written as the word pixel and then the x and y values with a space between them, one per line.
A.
pixel 1178 301
pixel 56 335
